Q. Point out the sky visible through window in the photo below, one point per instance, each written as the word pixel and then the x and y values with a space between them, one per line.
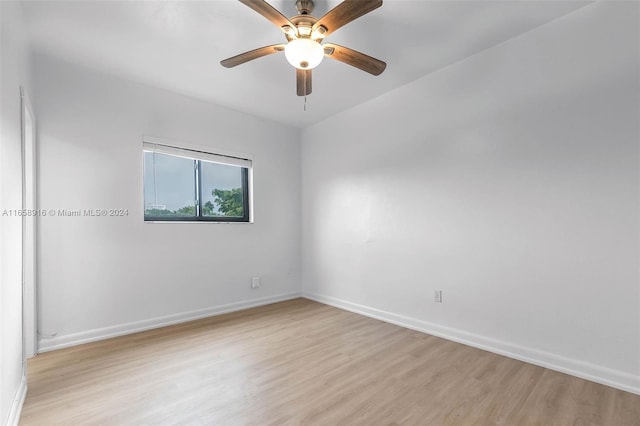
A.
pixel 171 185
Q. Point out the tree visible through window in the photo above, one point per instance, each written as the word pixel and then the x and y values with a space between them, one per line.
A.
pixel 226 201
pixel 179 188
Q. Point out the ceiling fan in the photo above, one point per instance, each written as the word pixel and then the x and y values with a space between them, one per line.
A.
pixel 304 35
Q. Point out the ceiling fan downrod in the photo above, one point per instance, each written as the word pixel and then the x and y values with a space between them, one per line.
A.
pixel 305 7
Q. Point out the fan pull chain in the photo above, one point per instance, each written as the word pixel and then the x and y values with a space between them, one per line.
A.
pixel 305 103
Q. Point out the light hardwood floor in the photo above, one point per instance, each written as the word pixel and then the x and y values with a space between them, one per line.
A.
pixel 301 362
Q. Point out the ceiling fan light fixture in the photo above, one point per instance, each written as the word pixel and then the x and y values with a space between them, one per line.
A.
pixel 304 53
pixel 318 32
pixel 290 31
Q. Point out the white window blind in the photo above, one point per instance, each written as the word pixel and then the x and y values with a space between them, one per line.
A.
pixel 150 146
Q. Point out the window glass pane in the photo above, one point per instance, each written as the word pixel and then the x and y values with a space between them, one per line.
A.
pixel 169 186
pixel 222 190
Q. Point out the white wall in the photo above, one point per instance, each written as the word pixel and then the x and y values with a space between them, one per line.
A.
pixel 510 182
pixel 102 276
pixel 14 73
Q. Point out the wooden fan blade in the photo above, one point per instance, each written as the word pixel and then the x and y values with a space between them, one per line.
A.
pixel 303 82
pixel 345 12
pixel 354 58
pixel 272 14
pixel 252 54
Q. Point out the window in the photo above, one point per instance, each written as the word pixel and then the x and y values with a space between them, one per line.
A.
pixel 187 185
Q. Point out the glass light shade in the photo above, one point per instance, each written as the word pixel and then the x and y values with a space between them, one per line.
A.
pixel 304 53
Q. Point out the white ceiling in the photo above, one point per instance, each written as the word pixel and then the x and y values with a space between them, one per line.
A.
pixel 177 45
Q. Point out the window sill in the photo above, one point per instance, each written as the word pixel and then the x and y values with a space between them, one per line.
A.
pixel 200 221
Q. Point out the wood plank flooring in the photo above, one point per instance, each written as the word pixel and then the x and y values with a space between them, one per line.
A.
pixel 301 362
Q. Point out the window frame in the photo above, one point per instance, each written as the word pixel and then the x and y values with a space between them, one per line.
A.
pixel 155 145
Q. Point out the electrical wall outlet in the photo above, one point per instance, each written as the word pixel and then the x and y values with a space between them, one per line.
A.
pixel 255 282
pixel 437 296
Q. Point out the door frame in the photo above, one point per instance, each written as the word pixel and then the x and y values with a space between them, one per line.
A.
pixel 29 228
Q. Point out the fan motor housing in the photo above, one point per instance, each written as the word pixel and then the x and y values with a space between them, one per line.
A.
pixel 303 23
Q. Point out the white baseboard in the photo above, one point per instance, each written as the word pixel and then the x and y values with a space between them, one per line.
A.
pixel 606 376
pixel 59 342
pixel 18 402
